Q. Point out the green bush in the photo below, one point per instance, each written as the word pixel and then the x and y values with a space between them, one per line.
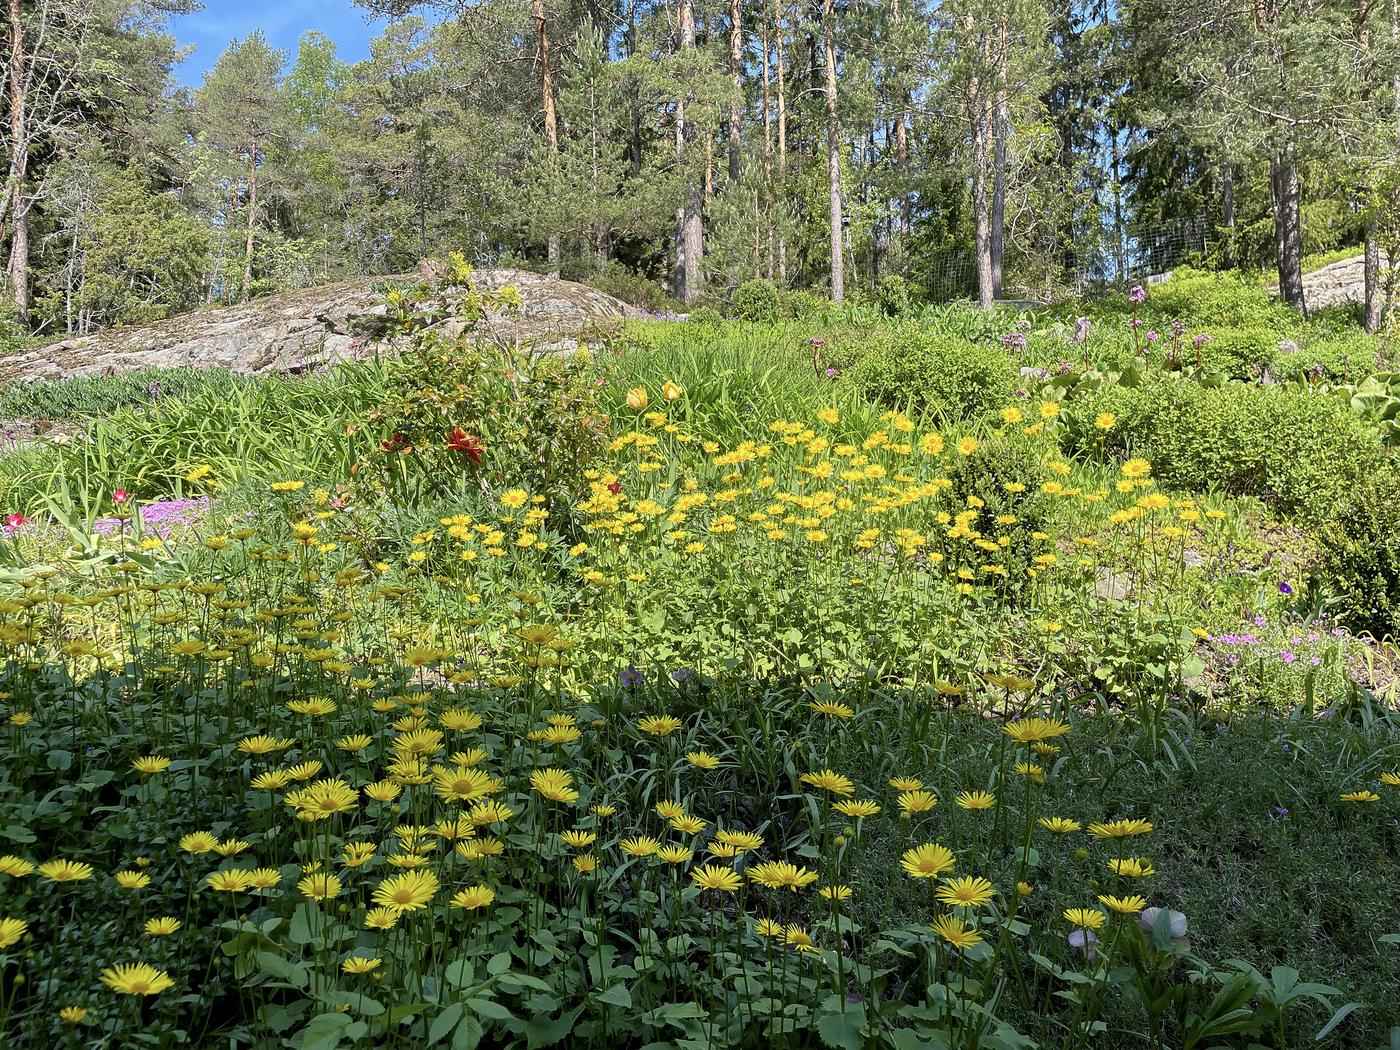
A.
pixel 1360 564
pixel 895 295
pixel 1204 299
pixel 706 315
pixel 803 305
pixel 758 300
pixel 1235 353
pixel 1298 451
pixel 906 367
pixel 1341 358
pixel 632 288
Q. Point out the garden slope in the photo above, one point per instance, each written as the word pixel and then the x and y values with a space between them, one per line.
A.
pixel 298 330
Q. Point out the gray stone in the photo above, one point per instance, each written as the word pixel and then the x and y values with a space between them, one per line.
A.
pixel 1114 585
pixel 301 330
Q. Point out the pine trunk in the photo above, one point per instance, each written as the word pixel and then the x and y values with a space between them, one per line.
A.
pixel 551 123
pixel 1227 217
pixel 247 290
pixel 1374 303
pixel 18 269
pixel 781 29
pixel 1288 230
pixel 690 243
pixel 736 73
pixel 833 152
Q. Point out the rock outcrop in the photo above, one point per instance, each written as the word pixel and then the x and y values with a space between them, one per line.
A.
pixel 296 331
pixel 1340 282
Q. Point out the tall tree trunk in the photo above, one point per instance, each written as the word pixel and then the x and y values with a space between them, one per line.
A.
pixel 1001 129
pixel 1375 313
pixel 767 142
pixel 736 73
pixel 979 134
pixel 1288 229
pixel 690 243
pixel 252 221
pixel 551 123
pixel 1227 217
pixel 901 139
pixel 781 28
pixel 18 269
pixel 833 152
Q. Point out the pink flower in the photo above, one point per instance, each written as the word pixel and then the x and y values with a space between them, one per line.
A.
pixel 14 521
pixel 120 496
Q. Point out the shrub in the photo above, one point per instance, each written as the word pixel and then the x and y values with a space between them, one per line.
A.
pixel 757 300
pixel 1360 565
pixel 706 315
pixel 1342 358
pixel 1298 451
pixel 895 295
pixel 634 289
pixel 804 305
pixel 1216 300
pixel 905 367
pixel 1236 353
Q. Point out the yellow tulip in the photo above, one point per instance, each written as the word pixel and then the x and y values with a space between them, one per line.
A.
pixel 637 398
pixel 669 390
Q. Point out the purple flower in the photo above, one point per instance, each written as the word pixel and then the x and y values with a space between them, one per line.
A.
pixel 814 341
pixel 1200 340
pixel 1280 812
pixel 1316 661
pixel 629 677
pixel 830 373
pixel 1135 323
pixel 1137 294
pixel 1178 328
pixel 1152 336
pixel 1284 587
pixel 1014 340
pixel 1288 657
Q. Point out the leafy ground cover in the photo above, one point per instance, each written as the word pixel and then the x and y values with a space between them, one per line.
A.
pixel 687 692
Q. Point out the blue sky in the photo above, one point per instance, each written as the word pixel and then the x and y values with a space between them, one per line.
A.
pixel 282 22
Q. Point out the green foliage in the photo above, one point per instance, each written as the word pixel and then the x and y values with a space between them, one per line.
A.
pixel 1360 564
pixel 1006 473
pixel 1204 299
pixel 909 368
pixel 801 305
pixel 632 288
pixel 1298 451
pixel 705 316
pixel 895 294
pixel 93 397
pixel 757 300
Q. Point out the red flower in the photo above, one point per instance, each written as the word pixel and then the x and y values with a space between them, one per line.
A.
pixel 468 444
pixel 615 488
pixel 397 443
pixel 120 496
pixel 14 521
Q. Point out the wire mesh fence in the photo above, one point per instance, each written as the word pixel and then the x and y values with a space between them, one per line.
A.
pixel 1138 254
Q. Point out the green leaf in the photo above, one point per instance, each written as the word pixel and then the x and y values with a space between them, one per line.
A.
pixel 1337 1018
pixel 468 1034
pixel 617 995
pixel 490 1008
pixel 842 1028
pixel 445 1022
pixel 546 1031
pixel 324 1031
pixel 498 964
